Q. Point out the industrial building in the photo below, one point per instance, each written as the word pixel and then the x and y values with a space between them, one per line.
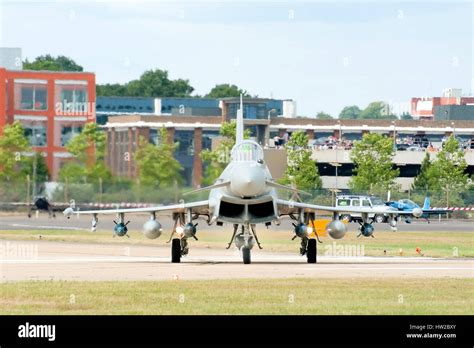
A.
pixel 255 108
pixel 452 105
pixel 52 106
pixel 194 133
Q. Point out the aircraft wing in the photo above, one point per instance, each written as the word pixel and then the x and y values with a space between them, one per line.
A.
pixel 436 211
pixel 287 207
pixel 201 207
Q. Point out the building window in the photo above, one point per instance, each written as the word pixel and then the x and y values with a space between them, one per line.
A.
pixel 251 111
pixel 186 142
pixel 72 99
pixel 207 137
pixel 32 97
pixel 155 136
pixel 69 132
pixel 36 133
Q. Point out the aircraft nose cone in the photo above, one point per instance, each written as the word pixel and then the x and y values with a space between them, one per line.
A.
pixel 248 182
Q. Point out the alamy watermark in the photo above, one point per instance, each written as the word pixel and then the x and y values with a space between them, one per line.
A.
pixel 344 250
pixel 13 250
pixel 66 108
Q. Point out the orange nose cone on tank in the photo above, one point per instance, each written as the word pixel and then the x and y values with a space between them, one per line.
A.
pixel 248 181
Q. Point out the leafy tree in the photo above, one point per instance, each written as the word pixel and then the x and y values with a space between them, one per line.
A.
pixel 111 90
pixel 372 157
pixel 13 143
pixel 377 110
pixel 350 113
pixel 157 166
pixel 42 172
pixel 84 167
pixel 48 62
pixel 447 172
pixel 406 116
pixel 323 116
pixel 422 180
pixel 152 83
pixel 73 172
pixel 226 90
pixel 301 169
pixel 216 160
pixel 91 135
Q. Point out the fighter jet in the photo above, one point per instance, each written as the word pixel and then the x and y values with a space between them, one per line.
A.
pixel 244 195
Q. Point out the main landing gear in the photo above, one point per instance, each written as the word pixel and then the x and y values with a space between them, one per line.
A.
pixel 183 229
pixel 308 245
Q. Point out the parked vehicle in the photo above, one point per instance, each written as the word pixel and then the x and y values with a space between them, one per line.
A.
pixel 402 147
pixel 421 141
pixel 361 201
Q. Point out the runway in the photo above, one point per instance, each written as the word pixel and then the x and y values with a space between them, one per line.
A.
pixel 43 222
pixel 46 260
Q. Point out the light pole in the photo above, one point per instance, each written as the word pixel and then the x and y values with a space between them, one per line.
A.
pixel 336 165
pixel 35 160
pixel 394 131
pixel 340 130
pixel 269 112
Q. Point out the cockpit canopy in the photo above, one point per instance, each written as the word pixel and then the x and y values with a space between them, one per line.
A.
pixel 246 151
pixel 407 202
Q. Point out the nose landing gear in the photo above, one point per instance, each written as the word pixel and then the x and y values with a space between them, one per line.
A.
pixel 245 241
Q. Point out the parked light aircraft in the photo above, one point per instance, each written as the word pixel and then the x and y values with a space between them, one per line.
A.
pixel 408 205
pixel 244 195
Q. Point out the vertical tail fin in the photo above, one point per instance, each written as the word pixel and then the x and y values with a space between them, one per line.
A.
pixel 239 134
pixel 427 203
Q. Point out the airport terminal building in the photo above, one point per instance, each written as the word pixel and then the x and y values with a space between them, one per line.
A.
pixel 195 133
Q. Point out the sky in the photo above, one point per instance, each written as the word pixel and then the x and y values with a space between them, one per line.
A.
pixel 324 55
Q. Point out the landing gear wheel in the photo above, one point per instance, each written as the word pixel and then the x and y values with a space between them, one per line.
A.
pixel 176 251
pixel 346 217
pixel 379 219
pixel 246 255
pixel 312 251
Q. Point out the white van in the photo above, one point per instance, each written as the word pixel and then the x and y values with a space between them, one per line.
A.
pixel 361 201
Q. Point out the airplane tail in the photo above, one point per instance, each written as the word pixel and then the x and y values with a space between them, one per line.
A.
pixel 427 203
pixel 239 132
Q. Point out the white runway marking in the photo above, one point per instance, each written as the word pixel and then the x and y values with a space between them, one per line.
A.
pixel 50 227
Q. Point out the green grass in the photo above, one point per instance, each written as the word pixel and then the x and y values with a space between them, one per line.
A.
pixel 435 244
pixel 275 296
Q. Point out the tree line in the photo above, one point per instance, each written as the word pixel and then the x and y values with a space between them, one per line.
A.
pixel 157 83
pixel 377 110
pixel 444 176
pixel 152 83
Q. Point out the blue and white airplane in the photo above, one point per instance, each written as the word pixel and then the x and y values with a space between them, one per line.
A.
pixel 407 205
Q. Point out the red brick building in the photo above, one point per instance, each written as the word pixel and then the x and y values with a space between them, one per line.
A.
pixel 52 106
pixel 424 108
